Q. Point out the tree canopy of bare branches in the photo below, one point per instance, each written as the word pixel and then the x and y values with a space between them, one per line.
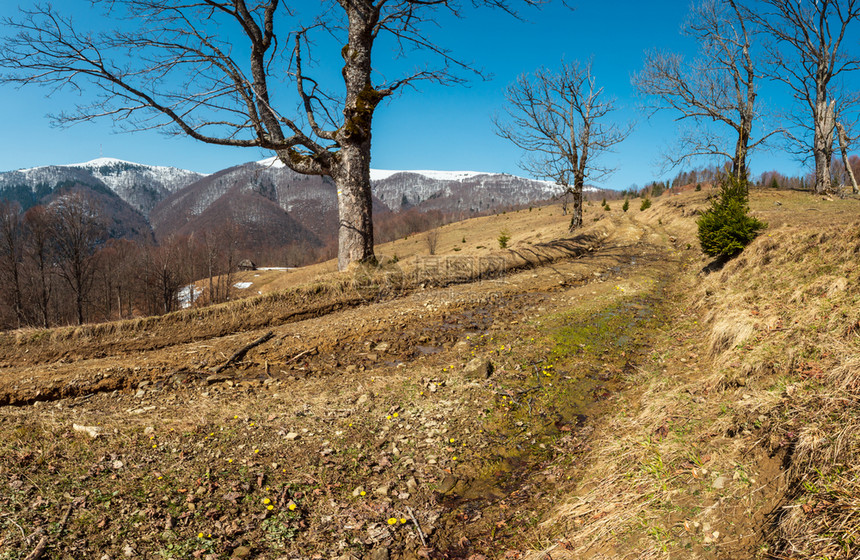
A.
pixel 560 119
pixel 212 70
pixel 719 87
pixel 812 48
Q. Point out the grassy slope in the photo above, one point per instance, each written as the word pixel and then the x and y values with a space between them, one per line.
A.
pixel 743 439
pixel 729 429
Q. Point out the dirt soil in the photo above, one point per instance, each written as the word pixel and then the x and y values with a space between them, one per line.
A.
pixel 425 422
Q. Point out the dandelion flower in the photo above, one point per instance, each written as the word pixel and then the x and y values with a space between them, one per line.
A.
pixel 392 520
pixel 229 460
pixel 451 440
pixel 236 417
pixel 454 458
pixel 270 507
pixel 154 445
pixel 403 520
pixel 267 501
pixel 256 451
pixel 199 535
pixel 395 415
pixel 292 506
pixel 388 417
pixel 363 493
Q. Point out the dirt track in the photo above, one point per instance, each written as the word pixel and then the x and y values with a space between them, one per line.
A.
pixel 440 423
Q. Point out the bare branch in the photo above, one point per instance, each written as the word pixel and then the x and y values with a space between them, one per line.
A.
pixel 559 121
pixel 808 53
pixel 717 88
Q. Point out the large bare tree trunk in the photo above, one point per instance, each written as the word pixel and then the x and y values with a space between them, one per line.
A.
pixel 354 209
pixel 576 210
pixel 823 146
pixel 351 169
pixel 739 162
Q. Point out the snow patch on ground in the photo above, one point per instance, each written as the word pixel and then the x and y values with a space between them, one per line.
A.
pixel 243 285
pixel 188 295
pixel 276 268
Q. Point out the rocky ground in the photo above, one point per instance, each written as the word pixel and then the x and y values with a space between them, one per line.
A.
pixel 493 418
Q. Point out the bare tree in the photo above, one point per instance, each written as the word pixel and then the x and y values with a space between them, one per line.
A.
pixel 431 240
pixel 559 120
pixel 719 87
pixel 37 221
pixel 181 66
pixel 77 230
pixel 844 142
pixel 809 53
pixel 11 254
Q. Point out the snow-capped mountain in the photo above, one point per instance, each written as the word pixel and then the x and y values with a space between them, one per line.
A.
pixel 263 203
pixel 450 191
pixel 141 186
pixel 269 202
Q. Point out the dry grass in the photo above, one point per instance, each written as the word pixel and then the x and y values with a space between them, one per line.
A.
pixel 315 290
pixel 793 298
pixel 776 333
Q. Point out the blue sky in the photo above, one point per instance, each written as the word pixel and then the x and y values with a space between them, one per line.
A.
pixel 434 127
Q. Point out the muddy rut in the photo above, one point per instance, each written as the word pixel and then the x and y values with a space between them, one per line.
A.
pixel 437 422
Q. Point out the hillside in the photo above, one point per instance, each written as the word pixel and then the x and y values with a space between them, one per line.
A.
pixel 573 396
pixel 140 186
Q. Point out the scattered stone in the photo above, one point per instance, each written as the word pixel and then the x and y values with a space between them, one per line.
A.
pixel 382 347
pixel 378 532
pixel 380 553
pixel 478 368
pixel 412 485
pixel 148 430
pixel 720 483
pixel 117 464
pixel 292 436
pixel 128 551
pixel 92 431
pixel 447 484
pixel 241 552
pixel 382 490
